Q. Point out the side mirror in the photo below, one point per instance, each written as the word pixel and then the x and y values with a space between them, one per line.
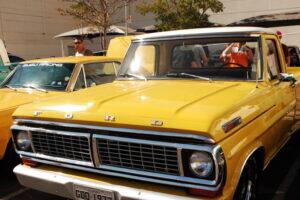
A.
pixel 287 77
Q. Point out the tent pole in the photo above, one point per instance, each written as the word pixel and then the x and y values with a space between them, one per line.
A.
pixel 62 47
pixel 126 19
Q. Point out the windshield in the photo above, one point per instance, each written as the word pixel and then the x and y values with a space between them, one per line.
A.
pixel 205 59
pixel 48 76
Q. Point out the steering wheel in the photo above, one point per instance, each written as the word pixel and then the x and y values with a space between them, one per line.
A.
pixel 237 64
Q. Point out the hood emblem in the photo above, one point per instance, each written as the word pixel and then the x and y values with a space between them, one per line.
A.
pixel 157 123
pixel 69 116
pixel 37 113
pixel 110 118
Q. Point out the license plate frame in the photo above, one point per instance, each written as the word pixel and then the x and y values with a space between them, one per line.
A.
pixel 88 193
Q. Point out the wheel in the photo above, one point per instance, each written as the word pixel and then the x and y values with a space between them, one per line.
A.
pixel 247 186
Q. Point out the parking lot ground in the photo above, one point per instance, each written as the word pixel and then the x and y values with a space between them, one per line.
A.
pixel 280 180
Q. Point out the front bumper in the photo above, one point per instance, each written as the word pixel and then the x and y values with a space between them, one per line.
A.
pixel 60 182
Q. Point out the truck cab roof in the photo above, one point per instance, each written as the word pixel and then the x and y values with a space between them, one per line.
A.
pixel 205 32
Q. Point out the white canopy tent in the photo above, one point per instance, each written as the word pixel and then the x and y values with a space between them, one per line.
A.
pixel 91 32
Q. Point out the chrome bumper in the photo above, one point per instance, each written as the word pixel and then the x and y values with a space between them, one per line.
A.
pixel 62 185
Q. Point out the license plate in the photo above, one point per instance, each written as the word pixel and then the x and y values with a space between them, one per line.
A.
pixel 85 193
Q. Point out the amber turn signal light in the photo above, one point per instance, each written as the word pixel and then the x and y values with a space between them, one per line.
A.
pixel 29 162
pixel 205 193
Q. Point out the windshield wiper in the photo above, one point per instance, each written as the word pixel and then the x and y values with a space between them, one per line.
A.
pixel 134 75
pixel 12 88
pixel 184 75
pixel 35 88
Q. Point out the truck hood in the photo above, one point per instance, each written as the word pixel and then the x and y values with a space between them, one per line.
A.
pixel 184 106
pixel 10 99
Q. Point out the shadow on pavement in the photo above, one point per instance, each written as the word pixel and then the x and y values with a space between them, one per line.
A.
pixel 277 171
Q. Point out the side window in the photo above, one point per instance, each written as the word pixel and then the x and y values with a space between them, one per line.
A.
pixel 99 73
pixel 80 83
pixel 272 60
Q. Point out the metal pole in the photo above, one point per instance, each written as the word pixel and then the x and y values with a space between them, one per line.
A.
pixel 62 47
pixel 126 19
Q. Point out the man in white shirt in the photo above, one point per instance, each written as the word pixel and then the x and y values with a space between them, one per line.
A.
pixel 79 48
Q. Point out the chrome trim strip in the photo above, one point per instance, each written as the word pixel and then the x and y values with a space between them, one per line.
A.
pixel 95 152
pixel 30 137
pixel 122 175
pixel 56 159
pixel 26 128
pixel 179 161
pixel 196 36
pixel 126 130
pixel 160 175
pixel 207 148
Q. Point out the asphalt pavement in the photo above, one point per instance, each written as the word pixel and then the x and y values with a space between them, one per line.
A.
pixel 280 181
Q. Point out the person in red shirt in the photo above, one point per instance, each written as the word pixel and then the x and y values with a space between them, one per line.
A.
pixel 237 55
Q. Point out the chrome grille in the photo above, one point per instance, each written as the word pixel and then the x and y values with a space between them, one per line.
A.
pixel 62 146
pixel 138 156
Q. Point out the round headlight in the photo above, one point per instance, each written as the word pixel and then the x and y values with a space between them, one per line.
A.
pixel 23 141
pixel 201 164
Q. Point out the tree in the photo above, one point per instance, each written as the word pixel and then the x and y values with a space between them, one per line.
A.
pixel 100 13
pixel 180 14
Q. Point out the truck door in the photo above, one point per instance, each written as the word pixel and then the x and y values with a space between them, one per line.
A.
pixel 285 93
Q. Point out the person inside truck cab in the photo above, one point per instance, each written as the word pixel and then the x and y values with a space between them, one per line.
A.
pixel 200 58
pixel 237 55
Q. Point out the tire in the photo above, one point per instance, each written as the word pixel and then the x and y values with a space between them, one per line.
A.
pixel 248 183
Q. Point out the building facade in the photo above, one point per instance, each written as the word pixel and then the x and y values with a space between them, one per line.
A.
pixel 27 27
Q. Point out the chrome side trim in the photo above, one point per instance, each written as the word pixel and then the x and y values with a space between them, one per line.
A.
pixel 127 176
pixel 201 138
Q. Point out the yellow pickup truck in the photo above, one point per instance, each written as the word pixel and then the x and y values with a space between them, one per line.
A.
pixel 193 114
pixel 43 78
